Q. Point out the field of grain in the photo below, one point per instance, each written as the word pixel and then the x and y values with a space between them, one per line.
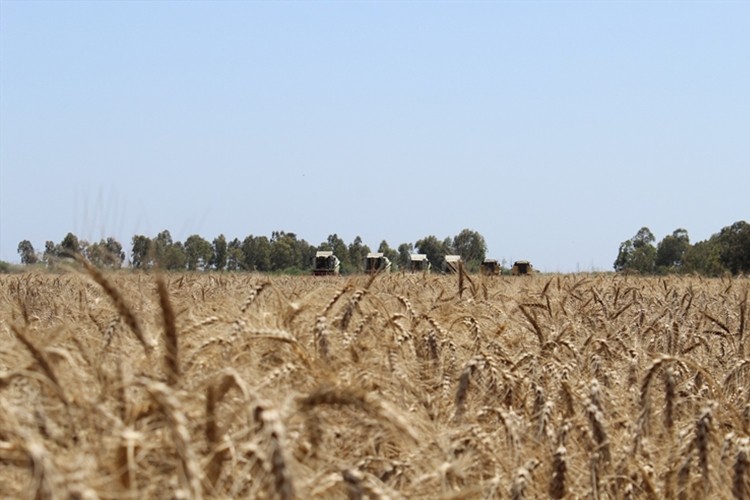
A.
pixel 129 385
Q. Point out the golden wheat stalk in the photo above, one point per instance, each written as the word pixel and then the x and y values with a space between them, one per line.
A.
pixel 191 474
pixel 271 425
pixel 171 344
pixel 215 393
pixel 118 301
pixel 740 489
pixel 559 470
pixel 41 360
pixel 368 403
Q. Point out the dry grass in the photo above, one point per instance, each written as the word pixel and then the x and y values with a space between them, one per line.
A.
pixel 129 385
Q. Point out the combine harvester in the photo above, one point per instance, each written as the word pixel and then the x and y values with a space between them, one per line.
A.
pixel 326 264
pixel 490 267
pixel 452 262
pixel 419 262
pixel 522 268
pixel 377 262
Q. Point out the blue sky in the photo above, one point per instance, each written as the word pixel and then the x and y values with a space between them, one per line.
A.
pixel 555 129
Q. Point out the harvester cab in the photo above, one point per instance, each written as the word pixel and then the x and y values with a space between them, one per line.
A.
pixel 377 262
pixel 419 262
pixel 490 267
pixel 451 264
pixel 326 264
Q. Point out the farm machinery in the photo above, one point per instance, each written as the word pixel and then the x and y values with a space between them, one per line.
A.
pixel 326 264
pixel 377 262
pixel 522 268
pixel 451 264
pixel 418 262
pixel 490 267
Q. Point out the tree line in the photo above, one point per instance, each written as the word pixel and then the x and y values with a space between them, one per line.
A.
pixel 727 251
pixel 281 252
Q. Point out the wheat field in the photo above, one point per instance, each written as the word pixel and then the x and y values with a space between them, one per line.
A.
pixel 133 385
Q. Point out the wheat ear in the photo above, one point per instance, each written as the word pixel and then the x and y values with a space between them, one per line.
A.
pixel 118 300
pixel 171 348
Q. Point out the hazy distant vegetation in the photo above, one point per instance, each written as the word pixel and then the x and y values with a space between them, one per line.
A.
pixel 282 252
pixel 727 251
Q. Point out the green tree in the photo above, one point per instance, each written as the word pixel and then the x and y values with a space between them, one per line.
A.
pixel 289 253
pixel 282 254
pixel 340 250
pixel 404 255
pixel 671 250
pixel 141 254
pixel 734 242
pixel 70 245
pixel 305 253
pixel 105 253
pixel 174 257
pixel 472 248
pixel 95 254
pixel 159 247
pixel 235 256
pixel 198 252
pixel 638 253
pixel 26 250
pixel 220 253
pixel 84 247
pixel 257 254
pixel 388 252
pixel 357 254
pixel 704 258
pixel 643 238
pixel 115 255
pixel 624 255
pixel 51 252
pixel 435 250
pixel 262 254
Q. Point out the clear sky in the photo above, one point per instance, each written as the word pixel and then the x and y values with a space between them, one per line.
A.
pixel 555 129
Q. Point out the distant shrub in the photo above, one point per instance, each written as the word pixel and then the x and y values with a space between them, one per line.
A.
pixel 5 267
